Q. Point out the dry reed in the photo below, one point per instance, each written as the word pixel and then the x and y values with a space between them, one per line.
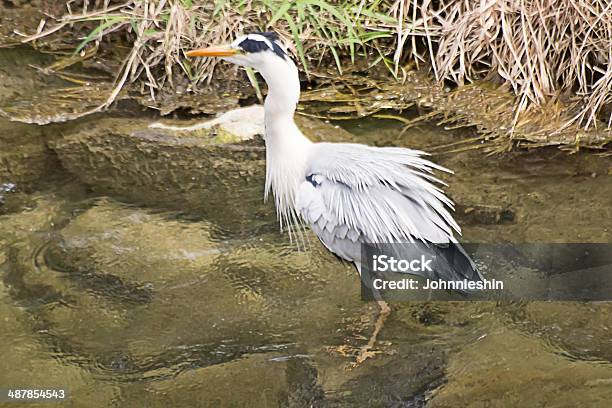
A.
pixel 547 51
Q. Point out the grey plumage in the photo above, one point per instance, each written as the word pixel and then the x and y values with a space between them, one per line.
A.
pixel 354 194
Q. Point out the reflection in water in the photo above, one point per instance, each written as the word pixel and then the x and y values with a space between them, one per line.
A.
pixel 132 305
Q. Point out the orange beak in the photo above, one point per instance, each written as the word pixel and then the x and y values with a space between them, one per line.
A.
pixel 216 51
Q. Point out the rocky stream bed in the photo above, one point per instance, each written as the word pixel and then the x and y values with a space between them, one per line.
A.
pixel 139 266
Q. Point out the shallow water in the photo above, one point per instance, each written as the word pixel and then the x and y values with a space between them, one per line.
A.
pixel 126 302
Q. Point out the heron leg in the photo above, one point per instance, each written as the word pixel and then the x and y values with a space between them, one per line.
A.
pixel 366 351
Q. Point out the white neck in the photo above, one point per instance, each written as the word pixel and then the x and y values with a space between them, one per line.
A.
pixel 287 148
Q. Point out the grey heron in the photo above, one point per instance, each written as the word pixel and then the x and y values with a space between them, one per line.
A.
pixel 348 193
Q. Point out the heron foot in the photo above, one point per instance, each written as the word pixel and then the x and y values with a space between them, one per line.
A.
pixel 367 351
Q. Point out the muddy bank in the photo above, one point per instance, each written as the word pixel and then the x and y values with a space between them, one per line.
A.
pixel 20 16
pixel 38 90
pixel 43 89
pixel 484 107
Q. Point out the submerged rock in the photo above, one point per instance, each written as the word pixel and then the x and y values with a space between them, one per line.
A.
pixel 150 299
pixel 486 214
pixel 214 168
pixel 143 296
pixel 39 216
pixel 580 331
pixel 12 200
pixel 506 368
pixel 254 380
pixel 197 172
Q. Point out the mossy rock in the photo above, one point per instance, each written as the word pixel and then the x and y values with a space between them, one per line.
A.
pixel 24 156
pixel 214 171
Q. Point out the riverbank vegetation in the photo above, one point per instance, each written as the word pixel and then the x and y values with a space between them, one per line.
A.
pixel 551 58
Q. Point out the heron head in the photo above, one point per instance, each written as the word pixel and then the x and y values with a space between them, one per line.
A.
pixel 266 54
pixel 256 50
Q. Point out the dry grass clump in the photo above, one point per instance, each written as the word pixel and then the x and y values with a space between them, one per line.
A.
pixel 159 31
pixel 542 48
pixel 545 50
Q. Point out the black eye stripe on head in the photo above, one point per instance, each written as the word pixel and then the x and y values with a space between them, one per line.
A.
pixel 251 45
